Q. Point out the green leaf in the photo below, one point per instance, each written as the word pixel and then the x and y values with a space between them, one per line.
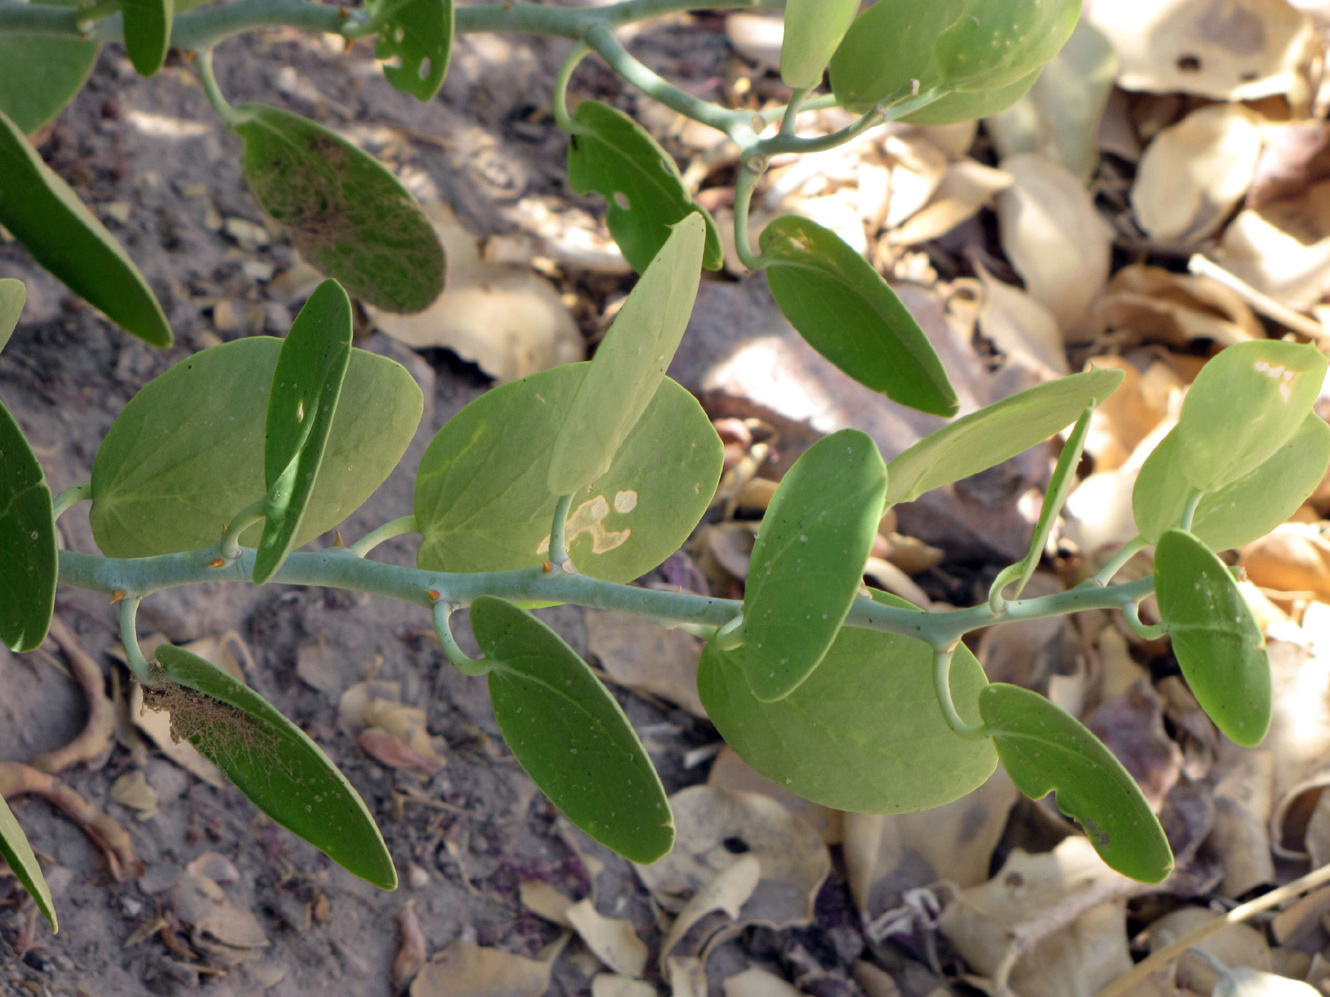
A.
pixel 187 453
pixel 888 48
pixel 956 107
pixel 63 236
pixel 12 296
pixel 272 761
pixel 630 362
pixel 420 34
pixel 1243 510
pixel 15 850
pixel 996 43
pixel 1244 405
pixel 483 501
pixel 613 155
pixel 306 387
pixel 348 216
pixel 813 30
pixel 39 76
pixel 28 557
pixel 848 313
pixel 996 433
pixel 864 733
pixel 808 561
pixel 1044 749
pixel 570 735
pixel 1217 641
pixel 147 32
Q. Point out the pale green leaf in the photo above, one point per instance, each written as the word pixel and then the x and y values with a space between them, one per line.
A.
pixel 1216 639
pixel 813 30
pixel 995 433
pixel 849 314
pixel 348 216
pixel 630 361
pixel 483 501
pixel 301 409
pixel 16 851
pixel 1044 749
pixel 570 734
pixel 272 761
pixel 419 34
pixel 996 43
pixel 888 49
pixel 12 296
pixel 63 236
pixel 40 75
pixel 186 454
pixel 808 561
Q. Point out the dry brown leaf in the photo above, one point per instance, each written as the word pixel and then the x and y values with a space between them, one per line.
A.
pixel 643 656
pixel 611 985
pixel 731 773
pixel 204 906
pixel 1244 796
pixel 614 941
pixel 1299 740
pixel 1239 945
pixel 1194 173
pixel 709 823
pixel 505 318
pixel 410 950
pixel 728 892
pixel 388 730
pixel 316 666
pixel 886 576
pixel 1151 303
pixel 756 982
pixel 1226 49
pixel 687 976
pixel 965 188
pixel 875 981
pixel 132 790
pixel 1068 904
pixel 1283 248
pixel 1054 238
pixel 545 901
pixel 917 168
pixel 1132 727
pixel 1021 327
pixel 1295 557
pixel 887 854
pixel 466 970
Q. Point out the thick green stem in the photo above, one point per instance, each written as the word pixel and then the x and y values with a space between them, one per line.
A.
pixel 1129 550
pixel 942 688
pixel 129 637
pixel 560 97
pixel 397 528
pixel 460 659
pixel 750 169
pixel 215 96
pixel 71 497
pixel 558 535
pixel 230 545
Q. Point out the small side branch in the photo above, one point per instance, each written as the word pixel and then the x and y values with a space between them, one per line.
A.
pixel 942 686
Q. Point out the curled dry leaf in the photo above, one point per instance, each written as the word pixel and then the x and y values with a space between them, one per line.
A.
pixel 1239 945
pixel 1293 558
pixel 1282 248
pixel 1151 303
pixel 1054 237
pixel 756 982
pixel 388 730
pixel 728 892
pixel 1225 49
pixel 612 985
pixel 132 790
pixel 731 773
pixel 709 823
pixel 1064 910
pixel 411 947
pixel 1299 740
pixel 1194 173
pixel 614 941
pixel 203 905
pixel 466 970
pixel 1021 327
pixel 1244 797
pixel 1131 413
pixel 545 901
pixel 641 655
pixel 917 167
pixel 1132 726
pixel 687 976
pixel 965 188
pixel 505 318
pixel 888 854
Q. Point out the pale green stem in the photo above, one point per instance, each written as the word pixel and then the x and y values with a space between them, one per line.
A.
pixel 1132 614
pixel 819 103
pixel 560 97
pixel 129 637
pixel 898 105
pixel 1129 550
pixel 71 497
pixel 215 97
pixel 443 629
pixel 396 528
pixel 558 534
pixel 230 545
pixel 942 688
pixel 750 169
pixel 1189 513
pixel 731 636
pixel 792 111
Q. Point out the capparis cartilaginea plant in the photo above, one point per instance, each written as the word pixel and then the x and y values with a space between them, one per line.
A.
pixel 566 486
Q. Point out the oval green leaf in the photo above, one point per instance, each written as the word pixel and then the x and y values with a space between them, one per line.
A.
pixel 28 554
pixel 813 30
pixel 888 48
pixel 849 314
pixel 1243 510
pixel 1244 405
pixel 1044 749
pixel 864 733
pixel 187 453
pixel 1216 639
pixel 39 76
pixel 12 296
pixel 613 155
pixel 482 497
pixel 996 433
pixel 301 408
pixel 63 236
pixel 808 561
pixel 272 761
pixel 419 34
pixel 348 216
pixel 16 851
pixel 956 107
pixel 147 32
pixel 570 734
pixel 996 43
pixel 630 362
